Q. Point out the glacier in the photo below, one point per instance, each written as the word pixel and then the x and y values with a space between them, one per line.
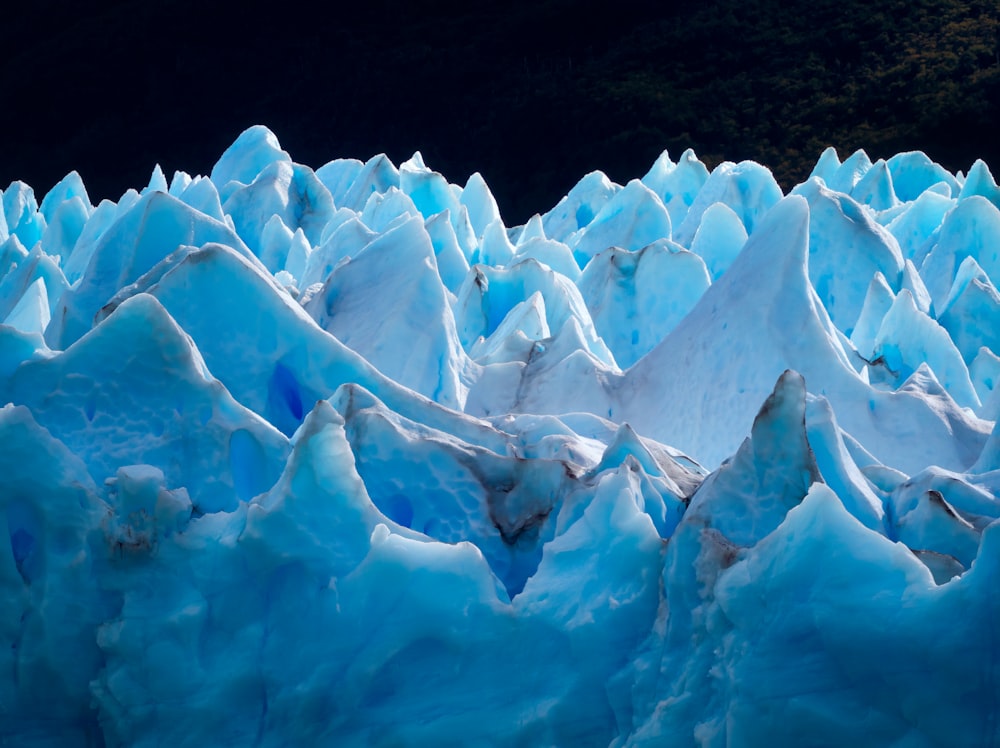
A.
pixel 333 456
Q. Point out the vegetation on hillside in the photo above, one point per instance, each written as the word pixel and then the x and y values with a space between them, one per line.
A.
pixel 531 97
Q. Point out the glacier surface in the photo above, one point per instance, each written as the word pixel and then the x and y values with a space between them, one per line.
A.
pixel 336 457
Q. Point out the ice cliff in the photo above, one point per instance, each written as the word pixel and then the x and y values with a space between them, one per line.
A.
pixel 336 457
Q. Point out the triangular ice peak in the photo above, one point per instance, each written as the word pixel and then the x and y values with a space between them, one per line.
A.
pixel 719 238
pixel 413 339
pixel 678 185
pixel 31 314
pixel 260 343
pixel 338 175
pixel 319 496
pixel 386 209
pixel 980 181
pixel 428 189
pixel 637 298
pixel 64 227
pixel 771 472
pixel 377 175
pixel 912 282
pixel 150 230
pixel 747 188
pixel 761 317
pixel 21 215
pixel 827 165
pixel 282 188
pixel 579 206
pixel 452 263
pixel 846 248
pixel 69 187
pixel 875 188
pixel 913 173
pixel 549 252
pixel 515 337
pixel 37 266
pixel 533 229
pixel 254 150
pixel 631 219
pixel 971 315
pixel 837 466
pixel 907 337
pixel 878 302
pixel 915 225
pixel 762 314
pixel 495 247
pixel 850 172
pixel 345 241
pixel 972 229
pixel 488 295
pixel 136 390
pixel 481 204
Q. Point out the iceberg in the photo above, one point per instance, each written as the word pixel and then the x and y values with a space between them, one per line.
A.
pixel 334 456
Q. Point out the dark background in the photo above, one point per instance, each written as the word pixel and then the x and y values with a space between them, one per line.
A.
pixel 532 97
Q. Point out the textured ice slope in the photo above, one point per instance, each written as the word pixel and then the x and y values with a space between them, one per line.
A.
pixel 336 457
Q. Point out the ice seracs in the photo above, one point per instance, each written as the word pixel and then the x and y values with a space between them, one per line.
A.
pixel 338 457
pixel 412 338
pixel 136 391
pixel 637 298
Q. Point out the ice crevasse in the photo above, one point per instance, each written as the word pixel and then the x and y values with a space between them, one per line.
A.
pixel 333 456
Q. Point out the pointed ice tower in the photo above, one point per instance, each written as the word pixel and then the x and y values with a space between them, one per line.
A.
pixel 761 317
pixel 135 390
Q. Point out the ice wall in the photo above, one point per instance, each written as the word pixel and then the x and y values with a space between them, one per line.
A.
pixel 336 457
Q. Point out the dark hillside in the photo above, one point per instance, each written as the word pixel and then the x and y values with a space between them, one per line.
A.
pixel 532 97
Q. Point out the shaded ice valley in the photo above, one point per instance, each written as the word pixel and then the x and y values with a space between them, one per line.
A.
pixel 334 457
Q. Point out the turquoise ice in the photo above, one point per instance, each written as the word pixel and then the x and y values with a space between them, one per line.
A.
pixel 337 457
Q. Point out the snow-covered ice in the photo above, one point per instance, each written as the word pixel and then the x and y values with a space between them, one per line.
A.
pixel 337 457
